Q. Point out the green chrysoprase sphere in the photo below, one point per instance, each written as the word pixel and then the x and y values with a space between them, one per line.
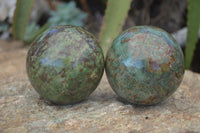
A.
pixel 144 65
pixel 65 64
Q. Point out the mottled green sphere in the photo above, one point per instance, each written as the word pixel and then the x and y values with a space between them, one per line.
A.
pixel 144 65
pixel 65 64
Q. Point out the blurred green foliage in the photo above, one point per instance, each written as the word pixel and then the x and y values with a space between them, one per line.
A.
pixel 115 15
pixel 67 14
pixel 114 19
pixel 193 28
pixel 21 17
pixel 31 29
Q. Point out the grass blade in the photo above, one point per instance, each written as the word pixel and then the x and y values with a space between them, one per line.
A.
pixel 114 19
pixel 21 17
pixel 193 27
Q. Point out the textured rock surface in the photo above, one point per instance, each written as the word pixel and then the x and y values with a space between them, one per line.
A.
pixel 22 110
pixel 144 65
pixel 65 64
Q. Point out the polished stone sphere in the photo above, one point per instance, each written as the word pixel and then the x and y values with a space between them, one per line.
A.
pixel 65 64
pixel 144 65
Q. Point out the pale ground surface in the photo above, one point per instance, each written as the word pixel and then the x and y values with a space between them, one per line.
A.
pixel 22 110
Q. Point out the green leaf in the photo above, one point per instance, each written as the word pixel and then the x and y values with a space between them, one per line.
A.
pixel 33 31
pixel 21 17
pixel 193 27
pixel 114 19
pixel 67 14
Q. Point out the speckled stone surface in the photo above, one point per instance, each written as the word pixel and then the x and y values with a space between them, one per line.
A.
pixel 65 64
pixel 23 111
pixel 144 65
